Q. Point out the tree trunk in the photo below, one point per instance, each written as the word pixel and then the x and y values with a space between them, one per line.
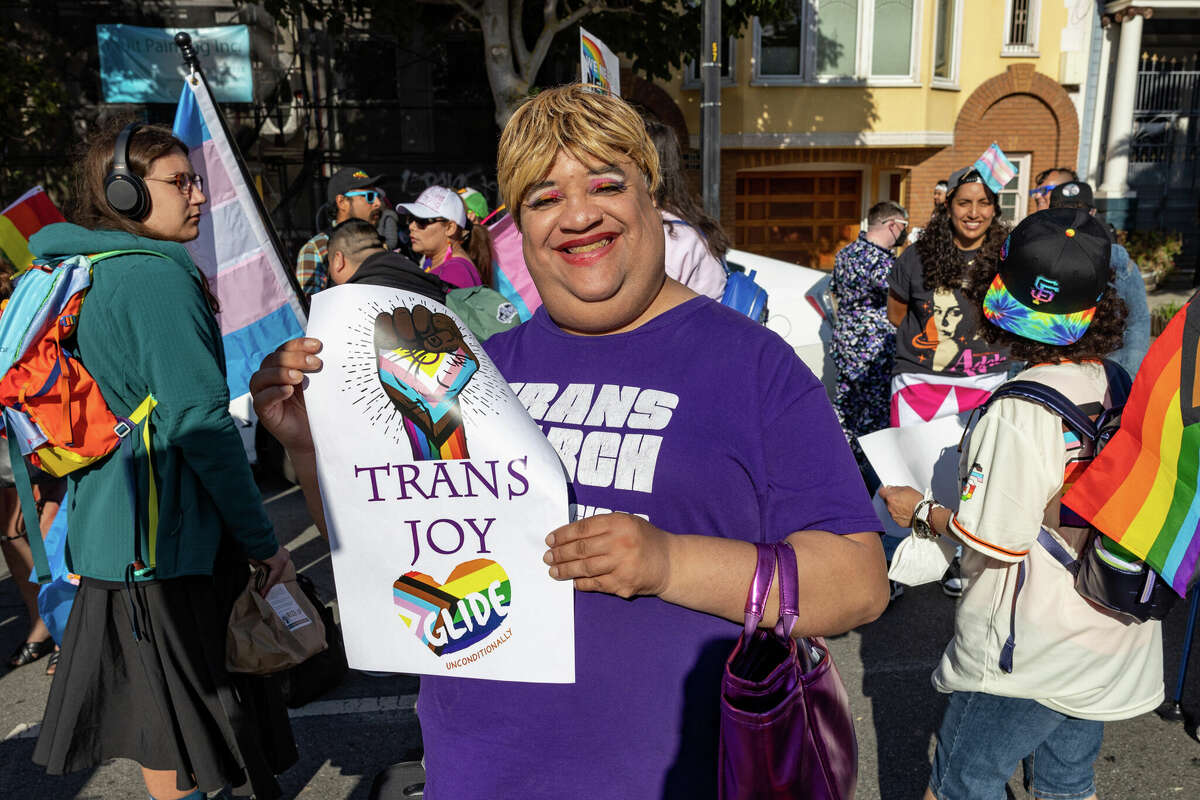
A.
pixel 508 87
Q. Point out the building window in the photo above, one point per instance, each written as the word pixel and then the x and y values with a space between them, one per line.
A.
pixel 892 45
pixel 824 41
pixel 837 38
pixel 691 73
pixel 1014 197
pixel 1021 27
pixel 946 37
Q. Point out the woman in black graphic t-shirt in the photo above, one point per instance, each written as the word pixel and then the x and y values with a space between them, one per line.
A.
pixel 942 366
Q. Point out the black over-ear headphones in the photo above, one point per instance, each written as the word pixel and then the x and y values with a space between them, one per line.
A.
pixel 125 192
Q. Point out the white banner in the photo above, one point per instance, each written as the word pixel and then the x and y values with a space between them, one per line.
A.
pixel 923 456
pixel 439 491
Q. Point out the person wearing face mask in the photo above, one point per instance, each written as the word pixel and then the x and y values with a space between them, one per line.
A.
pixel 353 195
pixel 142 675
pixel 864 342
pixel 439 231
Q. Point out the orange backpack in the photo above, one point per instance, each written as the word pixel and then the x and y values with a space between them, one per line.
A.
pixel 54 413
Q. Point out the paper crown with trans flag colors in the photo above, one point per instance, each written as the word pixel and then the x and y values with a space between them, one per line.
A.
pixel 994 168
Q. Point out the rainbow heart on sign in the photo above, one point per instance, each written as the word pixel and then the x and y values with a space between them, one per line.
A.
pixel 452 616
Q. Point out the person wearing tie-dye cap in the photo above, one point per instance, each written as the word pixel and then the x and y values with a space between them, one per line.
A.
pixel 1034 669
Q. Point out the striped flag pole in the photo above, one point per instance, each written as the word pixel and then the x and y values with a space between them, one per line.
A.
pixel 261 305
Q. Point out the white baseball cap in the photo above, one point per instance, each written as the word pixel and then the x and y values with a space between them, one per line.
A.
pixel 438 202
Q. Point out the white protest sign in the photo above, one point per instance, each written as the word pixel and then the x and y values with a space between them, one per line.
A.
pixel 439 491
pixel 923 456
pixel 598 65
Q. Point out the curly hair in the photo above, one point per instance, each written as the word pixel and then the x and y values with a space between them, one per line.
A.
pixel 941 263
pixel 1104 335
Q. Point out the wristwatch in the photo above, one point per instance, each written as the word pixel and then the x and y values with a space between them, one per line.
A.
pixel 921 526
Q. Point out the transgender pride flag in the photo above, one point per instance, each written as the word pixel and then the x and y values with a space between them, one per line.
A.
pixel 235 249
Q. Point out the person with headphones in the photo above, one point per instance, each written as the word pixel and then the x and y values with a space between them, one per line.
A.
pixel 142 674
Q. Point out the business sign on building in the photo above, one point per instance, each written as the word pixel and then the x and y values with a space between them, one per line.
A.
pixel 143 65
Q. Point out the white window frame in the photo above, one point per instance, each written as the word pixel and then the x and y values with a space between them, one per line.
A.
pixel 691 72
pixel 950 82
pixel 862 58
pixel 1023 163
pixel 866 39
pixel 1030 48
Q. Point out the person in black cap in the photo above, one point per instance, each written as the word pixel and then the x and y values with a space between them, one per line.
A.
pixel 1034 669
pixel 353 195
pixel 1129 283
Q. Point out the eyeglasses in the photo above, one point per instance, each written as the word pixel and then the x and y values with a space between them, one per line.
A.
pixel 369 196
pixel 184 182
pixel 1043 190
pixel 425 223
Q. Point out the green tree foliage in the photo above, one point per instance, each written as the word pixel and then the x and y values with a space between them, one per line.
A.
pixel 519 38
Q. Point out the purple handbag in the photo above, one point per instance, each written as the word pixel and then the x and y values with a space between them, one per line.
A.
pixel 786 729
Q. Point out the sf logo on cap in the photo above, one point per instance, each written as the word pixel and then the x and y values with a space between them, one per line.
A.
pixel 1044 289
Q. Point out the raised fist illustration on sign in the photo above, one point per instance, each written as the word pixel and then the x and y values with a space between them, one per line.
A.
pixel 424 364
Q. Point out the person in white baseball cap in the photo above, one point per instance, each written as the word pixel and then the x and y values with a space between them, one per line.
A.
pixel 438 228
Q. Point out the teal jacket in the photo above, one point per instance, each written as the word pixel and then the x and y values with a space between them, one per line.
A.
pixel 146 328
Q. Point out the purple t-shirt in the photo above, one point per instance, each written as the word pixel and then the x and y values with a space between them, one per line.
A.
pixel 458 271
pixel 706 423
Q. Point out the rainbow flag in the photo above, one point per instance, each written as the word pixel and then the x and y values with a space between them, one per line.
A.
pixel 1141 490
pixel 260 309
pixel 995 168
pixel 23 219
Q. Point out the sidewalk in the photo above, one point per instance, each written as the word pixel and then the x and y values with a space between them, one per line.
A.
pixel 1177 289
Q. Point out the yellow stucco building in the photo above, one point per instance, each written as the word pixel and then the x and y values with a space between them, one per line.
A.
pixel 836 104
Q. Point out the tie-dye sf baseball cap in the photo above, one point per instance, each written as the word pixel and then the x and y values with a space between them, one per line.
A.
pixel 1053 269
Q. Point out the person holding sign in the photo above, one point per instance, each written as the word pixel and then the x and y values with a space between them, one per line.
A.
pixel 688 434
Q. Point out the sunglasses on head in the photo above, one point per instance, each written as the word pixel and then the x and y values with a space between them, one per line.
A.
pixel 368 195
pixel 1043 190
pixel 425 223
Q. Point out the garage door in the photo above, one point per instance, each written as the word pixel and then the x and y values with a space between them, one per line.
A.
pixel 802 217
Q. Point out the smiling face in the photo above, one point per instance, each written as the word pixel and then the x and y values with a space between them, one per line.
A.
pixel 174 216
pixel 593 241
pixel 971 212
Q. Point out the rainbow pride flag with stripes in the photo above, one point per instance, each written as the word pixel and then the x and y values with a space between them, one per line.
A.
pixel 260 309
pixel 1141 490
pixel 23 219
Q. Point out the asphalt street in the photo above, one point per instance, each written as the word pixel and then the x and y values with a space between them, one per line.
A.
pixel 346 737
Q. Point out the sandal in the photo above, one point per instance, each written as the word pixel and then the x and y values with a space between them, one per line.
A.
pixel 30 652
pixel 52 664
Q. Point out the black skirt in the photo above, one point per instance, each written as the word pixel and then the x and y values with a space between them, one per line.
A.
pixel 164 701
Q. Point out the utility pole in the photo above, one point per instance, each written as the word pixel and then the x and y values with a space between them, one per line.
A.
pixel 710 108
